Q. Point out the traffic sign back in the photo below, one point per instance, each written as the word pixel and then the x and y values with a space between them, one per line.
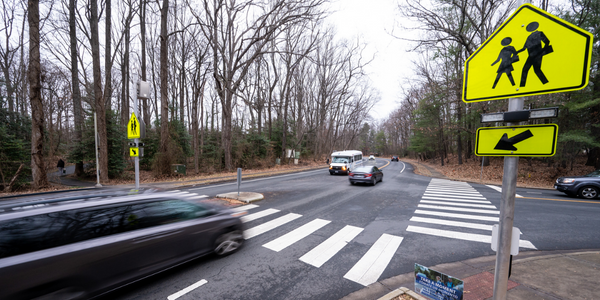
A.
pixel 527 140
pixel 532 53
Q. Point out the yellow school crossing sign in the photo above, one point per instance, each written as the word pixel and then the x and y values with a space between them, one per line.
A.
pixel 133 128
pixel 527 140
pixel 531 53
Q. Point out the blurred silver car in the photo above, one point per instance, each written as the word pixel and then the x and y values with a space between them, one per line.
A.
pixel 81 247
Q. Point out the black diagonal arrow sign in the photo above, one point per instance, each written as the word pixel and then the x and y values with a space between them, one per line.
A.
pixel 506 143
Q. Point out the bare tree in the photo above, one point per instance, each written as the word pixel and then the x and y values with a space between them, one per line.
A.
pixel 237 43
pixel 38 166
pixel 99 99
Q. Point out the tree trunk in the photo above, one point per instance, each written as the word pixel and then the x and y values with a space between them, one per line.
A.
pixel 77 108
pixel 107 56
pixel 38 166
pixel 100 105
pixel 164 72
pixel 145 108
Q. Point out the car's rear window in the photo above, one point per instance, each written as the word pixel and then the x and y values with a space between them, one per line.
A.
pixel 363 169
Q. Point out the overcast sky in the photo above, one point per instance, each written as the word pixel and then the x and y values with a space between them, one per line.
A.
pixel 373 21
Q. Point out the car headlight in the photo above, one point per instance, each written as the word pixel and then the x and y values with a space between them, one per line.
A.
pixel 330 167
pixel 344 168
pixel 568 180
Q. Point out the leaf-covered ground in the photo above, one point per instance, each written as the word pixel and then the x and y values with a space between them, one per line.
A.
pixel 534 172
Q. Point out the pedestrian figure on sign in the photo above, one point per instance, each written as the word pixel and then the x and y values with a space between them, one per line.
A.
pixel 61 166
pixel 508 56
pixel 133 127
pixel 533 44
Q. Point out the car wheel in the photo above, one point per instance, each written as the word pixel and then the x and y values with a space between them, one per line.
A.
pixel 381 179
pixel 229 243
pixel 588 192
pixel 374 182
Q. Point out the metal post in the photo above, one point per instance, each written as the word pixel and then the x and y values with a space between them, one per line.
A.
pixel 239 180
pixel 137 142
pixel 97 163
pixel 507 213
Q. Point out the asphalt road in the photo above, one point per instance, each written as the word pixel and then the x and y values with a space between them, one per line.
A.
pixel 381 231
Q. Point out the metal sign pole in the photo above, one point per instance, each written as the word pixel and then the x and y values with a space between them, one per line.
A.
pixel 507 213
pixel 239 179
pixel 137 158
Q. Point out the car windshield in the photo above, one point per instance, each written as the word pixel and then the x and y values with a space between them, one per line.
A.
pixel 363 170
pixel 338 159
pixel 593 174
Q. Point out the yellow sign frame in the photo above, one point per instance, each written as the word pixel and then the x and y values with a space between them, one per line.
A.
pixel 566 52
pixel 529 140
pixel 134 129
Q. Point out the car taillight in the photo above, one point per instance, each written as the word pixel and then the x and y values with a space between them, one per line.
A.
pixel 368 175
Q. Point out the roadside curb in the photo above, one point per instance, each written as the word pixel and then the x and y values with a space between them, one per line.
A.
pixel 247 197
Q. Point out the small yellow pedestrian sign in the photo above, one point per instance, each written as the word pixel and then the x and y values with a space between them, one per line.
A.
pixel 531 53
pixel 527 140
pixel 134 151
pixel 133 128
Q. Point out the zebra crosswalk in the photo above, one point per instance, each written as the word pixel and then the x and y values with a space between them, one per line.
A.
pixel 444 201
pixel 366 271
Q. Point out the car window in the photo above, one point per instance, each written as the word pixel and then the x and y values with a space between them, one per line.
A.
pixel 166 212
pixel 363 169
pixel 337 159
pixel 593 174
pixel 50 230
pixel 375 169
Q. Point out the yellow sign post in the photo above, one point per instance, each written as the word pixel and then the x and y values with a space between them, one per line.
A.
pixel 133 128
pixel 527 140
pixel 532 53
pixel 134 152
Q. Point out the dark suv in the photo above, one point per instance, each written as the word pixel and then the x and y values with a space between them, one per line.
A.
pixel 394 158
pixel 80 247
pixel 587 186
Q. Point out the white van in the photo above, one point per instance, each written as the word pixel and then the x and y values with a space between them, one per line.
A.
pixel 342 162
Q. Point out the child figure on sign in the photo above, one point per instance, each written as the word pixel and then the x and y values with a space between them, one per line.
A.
pixel 508 55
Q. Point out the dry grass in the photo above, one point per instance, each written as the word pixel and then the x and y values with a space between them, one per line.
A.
pixel 538 174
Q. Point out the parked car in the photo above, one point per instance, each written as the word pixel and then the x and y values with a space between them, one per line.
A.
pixel 366 174
pixel 394 158
pixel 587 186
pixel 371 157
pixel 81 247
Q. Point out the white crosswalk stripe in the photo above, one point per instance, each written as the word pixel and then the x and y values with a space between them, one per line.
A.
pixel 368 269
pixel 295 235
pixel 244 207
pixel 258 215
pixel 499 189
pixel 327 249
pixel 262 228
pixel 468 204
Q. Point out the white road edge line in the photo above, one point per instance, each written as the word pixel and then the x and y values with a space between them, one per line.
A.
pixel 245 181
pixel 187 289
pixel 499 189
pixel 368 269
pixel 403 166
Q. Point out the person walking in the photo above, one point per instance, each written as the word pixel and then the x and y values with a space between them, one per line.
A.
pixel 533 44
pixel 61 166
